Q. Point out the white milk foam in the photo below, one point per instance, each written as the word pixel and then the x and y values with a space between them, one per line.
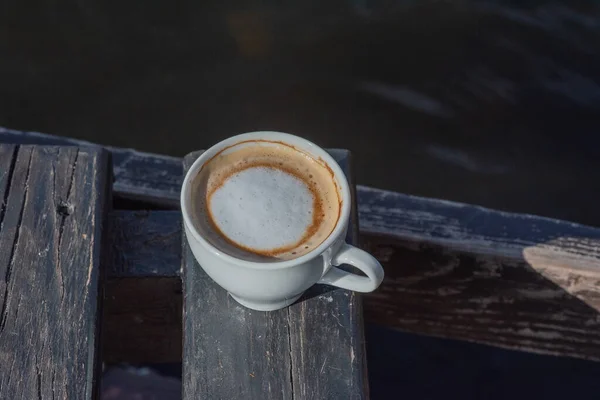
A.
pixel 265 201
pixel 262 208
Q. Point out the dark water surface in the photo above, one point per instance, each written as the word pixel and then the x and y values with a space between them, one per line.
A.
pixel 493 103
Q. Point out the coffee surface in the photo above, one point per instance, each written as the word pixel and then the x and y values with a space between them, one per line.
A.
pixel 265 201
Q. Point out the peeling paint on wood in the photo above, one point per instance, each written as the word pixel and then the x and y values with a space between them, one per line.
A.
pixel 150 178
pixel 479 230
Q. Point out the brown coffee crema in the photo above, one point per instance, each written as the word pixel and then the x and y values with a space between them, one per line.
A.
pixel 260 156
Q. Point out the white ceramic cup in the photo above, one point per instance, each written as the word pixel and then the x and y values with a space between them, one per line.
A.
pixel 270 286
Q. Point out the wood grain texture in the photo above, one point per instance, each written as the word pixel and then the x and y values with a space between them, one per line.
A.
pixel 144 244
pixel 508 263
pixel 562 253
pixel 141 177
pixel 150 178
pixel 429 289
pixel 230 352
pixel 327 334
pixel 313 349
pixel 479 230
pixel 54 205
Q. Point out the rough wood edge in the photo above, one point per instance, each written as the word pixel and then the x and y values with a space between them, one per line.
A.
pixel 576 282
pixel 542 242
pixel 96 174
pixel 545 242
pixel 273 340
pixel 154 188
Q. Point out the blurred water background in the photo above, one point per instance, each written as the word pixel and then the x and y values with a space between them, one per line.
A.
pixel 487 102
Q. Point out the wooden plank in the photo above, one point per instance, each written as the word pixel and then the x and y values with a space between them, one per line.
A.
pixel 559 250
pixel 544 242
pixel 327 334
pixel 144 244
pixel 55 203
pixel 467 272
pixel 249 354
pixel 230 352
pixel 146 179
pixel 431 290
pixel 149 178
pixel 491 267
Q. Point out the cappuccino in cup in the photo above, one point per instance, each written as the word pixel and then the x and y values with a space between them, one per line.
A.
pixel 265 201
pixel 266 214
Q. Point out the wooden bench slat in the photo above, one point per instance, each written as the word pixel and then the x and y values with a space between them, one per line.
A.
pixel 55 204
pixel 153 179
pixel 230 352
pixel 145 244
pixel 149 178
pixel 479 230
pixel 313 349
pixel 328 320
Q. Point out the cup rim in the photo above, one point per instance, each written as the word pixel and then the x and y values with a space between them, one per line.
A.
pixel 303 144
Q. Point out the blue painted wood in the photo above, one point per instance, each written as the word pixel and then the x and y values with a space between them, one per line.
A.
pixel 476 229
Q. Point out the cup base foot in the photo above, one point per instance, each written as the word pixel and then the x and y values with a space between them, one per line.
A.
pixel 260 306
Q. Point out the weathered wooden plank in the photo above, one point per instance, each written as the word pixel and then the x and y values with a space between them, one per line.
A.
pixel 462 227
pixel 7 160
pixel 327 334
pixel 234 352
pixel 148 178
pixel 229 351
pixel 559 250
pixel 479 230
pixel 431 290
pixel 497 275
pixel 145 178
pixel 145 244
pixel 55 203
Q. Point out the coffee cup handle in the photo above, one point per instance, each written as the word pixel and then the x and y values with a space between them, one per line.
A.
pixel 360 259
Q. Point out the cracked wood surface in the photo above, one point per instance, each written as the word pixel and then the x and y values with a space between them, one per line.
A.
pixel 313 349
pixel 54 202
pixel 151 178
